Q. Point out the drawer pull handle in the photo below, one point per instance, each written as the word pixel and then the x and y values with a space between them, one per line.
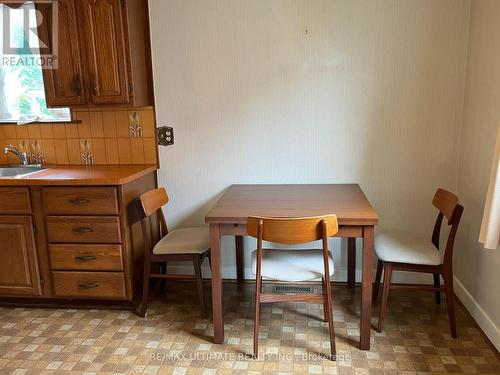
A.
pixel 88 285
pixel 83 230
pixel 85 257
pixel 79 201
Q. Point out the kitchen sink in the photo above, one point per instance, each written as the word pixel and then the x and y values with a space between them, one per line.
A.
pixel 19 171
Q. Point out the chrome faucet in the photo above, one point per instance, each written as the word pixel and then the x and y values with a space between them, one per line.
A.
pixel 23 156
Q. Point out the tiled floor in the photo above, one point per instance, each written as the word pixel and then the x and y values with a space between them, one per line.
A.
pixel 173 339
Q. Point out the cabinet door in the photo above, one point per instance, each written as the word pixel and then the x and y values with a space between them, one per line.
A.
pixel 63 86
pixel 18 259
pixel 105 46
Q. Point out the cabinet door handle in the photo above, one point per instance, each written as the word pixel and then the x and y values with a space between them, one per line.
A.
pixel 88 285
pixel 93 85
pixel 78 85
pixel 85 257
pixel 79 201
pixel 83 230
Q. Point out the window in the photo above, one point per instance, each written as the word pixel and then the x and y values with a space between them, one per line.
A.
pixel 22 95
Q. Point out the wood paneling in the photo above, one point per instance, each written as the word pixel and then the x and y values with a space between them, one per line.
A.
pixel 83 257
pixel 89 284
pixel 83 229
pixel 80 200
pixel 18 261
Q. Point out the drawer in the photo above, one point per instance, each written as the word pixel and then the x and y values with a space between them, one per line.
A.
pixel 15 200
pixel 83 229
pixel 86 257
pixel 80 201
pixel 89 284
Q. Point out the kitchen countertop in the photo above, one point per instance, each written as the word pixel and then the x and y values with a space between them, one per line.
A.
pixel 82 175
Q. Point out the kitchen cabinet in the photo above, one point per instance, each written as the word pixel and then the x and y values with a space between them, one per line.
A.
pixel 63 244
pixel 103 30
pixel 104 55
pixel 63 86
pixel 18 261
pixel 19 273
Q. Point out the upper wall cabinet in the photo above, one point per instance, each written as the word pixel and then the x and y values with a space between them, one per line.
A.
pixel 103 55
pixel 106 56
pixel 63 86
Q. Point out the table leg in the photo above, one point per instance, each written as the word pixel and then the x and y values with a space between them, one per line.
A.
pixel 215 241
pixel 366 289
pixel 351 262
pixel 239 259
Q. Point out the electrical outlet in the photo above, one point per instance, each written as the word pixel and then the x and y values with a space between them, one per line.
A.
pixel 165 135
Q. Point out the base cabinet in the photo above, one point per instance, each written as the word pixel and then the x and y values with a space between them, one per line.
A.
pixel 18 258
pixel 68 244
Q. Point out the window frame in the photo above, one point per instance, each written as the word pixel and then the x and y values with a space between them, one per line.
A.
pixel 32 118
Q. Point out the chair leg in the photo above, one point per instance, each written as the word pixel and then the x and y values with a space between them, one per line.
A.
pixel 437 284
pixel 323 291
pixel 258 290
pixel 163 282
pixel 199 284
pixel 141 311
pixel 450 295
pixel 328 306
pixel 378 276
pixel 385 294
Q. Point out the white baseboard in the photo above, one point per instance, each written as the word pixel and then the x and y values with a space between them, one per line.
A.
pixel 480 316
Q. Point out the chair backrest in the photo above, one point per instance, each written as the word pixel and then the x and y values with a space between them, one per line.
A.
pixel 295 230
pixel 149 204
pixel 292 230
pixel 445 202
pixel 449 208
pixel 153 200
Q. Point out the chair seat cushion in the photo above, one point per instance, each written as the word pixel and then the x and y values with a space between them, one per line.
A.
pixel 184 241
pixel 404 247
pixel 291 265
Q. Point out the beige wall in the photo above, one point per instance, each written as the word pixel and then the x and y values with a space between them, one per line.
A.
pixel 477 270
pixel 371 93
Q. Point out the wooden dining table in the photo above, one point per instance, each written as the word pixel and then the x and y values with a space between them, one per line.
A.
pixel 355 214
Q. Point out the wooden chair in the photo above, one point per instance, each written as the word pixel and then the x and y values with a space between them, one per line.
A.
pixel 190 244
pixel 293 265
pixel 402 251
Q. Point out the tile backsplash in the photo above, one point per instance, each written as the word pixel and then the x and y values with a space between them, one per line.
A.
pixel 102 136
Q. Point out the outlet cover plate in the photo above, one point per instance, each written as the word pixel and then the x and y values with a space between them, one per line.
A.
pixel 165 135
